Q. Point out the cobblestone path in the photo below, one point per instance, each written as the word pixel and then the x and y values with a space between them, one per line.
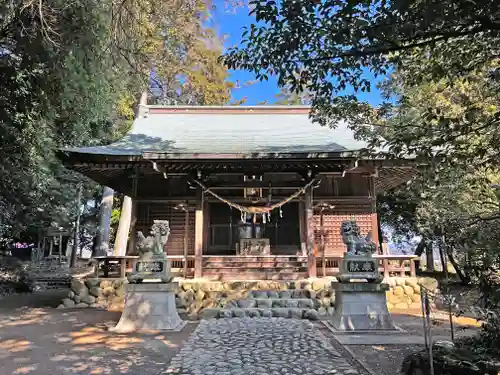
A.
pixel 258 346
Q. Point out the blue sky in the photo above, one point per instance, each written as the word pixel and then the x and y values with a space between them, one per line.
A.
pixel 229 23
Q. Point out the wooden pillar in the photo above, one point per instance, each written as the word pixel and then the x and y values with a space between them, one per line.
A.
pixel 198 234
pixel 121 239
pixel 413 270
pixel 133 215
pixel 302 230
pixel 374 219
pixel 386 268
pixel 309 229
pixel 185 240
pixel 374 215
pixel 60 247
pixel 123 268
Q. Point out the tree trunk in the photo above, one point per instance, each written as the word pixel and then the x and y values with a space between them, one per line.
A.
pixel 418 252
pixel 76 241
pixel 123 227
pixel 465 279
pixel 101 245
pixel 429 257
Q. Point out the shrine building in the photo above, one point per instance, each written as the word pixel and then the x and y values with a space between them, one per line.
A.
pixel 249 192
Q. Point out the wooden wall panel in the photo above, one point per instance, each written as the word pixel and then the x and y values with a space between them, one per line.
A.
pixel 332 222
pixel 147 212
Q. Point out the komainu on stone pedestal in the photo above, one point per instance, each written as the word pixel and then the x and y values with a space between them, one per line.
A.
pixel 358 262
pixel 151 305
pixel 152 263
pixel 360 295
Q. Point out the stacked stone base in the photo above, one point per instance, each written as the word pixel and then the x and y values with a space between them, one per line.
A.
pixel 105 294
pixel 192 297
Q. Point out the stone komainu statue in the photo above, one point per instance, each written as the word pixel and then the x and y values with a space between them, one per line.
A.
pixel 356 244
pixel 156 241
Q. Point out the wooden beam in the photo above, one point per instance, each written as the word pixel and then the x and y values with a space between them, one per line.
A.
pixel 257 185
pixel 198 234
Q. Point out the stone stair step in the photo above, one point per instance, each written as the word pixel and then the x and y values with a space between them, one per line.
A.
pixel 295 293
pixel 233 274
pixel 252 312
pixel 269 303
pixel 264 268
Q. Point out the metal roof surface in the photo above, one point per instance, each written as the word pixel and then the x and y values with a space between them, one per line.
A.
pixel 227 130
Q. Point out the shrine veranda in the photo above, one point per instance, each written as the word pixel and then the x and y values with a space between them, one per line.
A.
pixel 250 193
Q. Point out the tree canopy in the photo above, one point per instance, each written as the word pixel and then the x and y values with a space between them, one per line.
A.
pixel 334 50
pixel 70 75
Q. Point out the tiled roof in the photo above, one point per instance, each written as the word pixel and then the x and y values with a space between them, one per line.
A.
pixel 228 130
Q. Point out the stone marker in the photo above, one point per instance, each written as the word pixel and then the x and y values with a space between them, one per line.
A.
pixel 149 296
pixel 360 305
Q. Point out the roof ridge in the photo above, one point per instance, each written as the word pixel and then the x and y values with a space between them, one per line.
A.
pixel 228 106
pixel 229 110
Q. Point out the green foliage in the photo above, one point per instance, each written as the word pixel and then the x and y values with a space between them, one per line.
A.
pixel 333 48
pixel 288 97
pixel 70 75
pixel 186 58
pixel 453 202
pixel 50 97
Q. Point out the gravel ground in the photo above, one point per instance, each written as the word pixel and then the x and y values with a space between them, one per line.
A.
pixel 384 359
pixel 44 341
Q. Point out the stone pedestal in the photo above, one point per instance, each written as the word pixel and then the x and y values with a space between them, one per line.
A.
pixel 149 306
pixel 358 267
pixel 361 306
pixel 151 267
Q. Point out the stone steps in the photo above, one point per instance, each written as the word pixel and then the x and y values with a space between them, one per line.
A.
pixel 279 312
pixel 268 303
pixel 254 268
pixel 231 274
pixel 294 293
pixel 298 304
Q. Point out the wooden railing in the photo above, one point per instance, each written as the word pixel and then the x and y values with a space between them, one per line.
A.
pixel 183 266
pixel 389 265
pixel 113 266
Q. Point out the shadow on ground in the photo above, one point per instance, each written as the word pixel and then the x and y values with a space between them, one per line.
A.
pixel 36 339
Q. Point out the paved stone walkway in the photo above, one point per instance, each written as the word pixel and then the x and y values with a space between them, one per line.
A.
pixel 258 346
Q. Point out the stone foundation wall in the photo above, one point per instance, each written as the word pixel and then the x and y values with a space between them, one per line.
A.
pixel 193 296
pixel 108 294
